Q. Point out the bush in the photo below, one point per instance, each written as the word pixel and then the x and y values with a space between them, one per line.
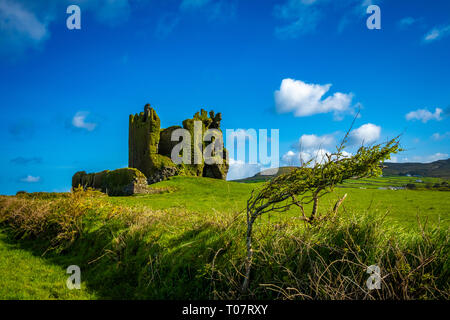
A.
pixel 58 221
pixel 42 195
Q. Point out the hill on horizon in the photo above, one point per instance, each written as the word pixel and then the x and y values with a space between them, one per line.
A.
pixel 267 174
pixel 436 169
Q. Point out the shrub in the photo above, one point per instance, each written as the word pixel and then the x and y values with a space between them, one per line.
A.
pixel 58 221
pixel 43 195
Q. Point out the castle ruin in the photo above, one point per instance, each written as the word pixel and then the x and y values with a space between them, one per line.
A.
pixel 149 155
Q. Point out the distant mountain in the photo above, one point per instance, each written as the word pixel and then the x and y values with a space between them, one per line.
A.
pixel 438 169
pixel 267 174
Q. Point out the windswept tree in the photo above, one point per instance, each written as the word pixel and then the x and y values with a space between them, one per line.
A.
pixel 308 183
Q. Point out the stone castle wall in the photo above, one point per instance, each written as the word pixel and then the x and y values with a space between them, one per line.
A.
pixel 120 182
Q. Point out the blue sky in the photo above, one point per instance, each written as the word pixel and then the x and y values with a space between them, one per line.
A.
pixel 301 66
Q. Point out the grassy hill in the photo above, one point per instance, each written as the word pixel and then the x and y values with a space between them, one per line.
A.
pixel 186 241
pixel 267 174
pixel 440 168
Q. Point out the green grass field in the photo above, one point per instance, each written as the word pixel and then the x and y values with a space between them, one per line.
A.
pixel 391 181
pixel 213 196
pixel 188 243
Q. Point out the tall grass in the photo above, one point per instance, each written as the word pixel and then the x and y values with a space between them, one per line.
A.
pixel 137 253
pixel 329 261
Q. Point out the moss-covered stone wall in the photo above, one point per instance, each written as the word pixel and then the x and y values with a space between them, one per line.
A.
pixel 120 182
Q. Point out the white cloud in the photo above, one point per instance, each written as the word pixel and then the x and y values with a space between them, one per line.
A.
pixel 308 141
pixel 437 136
pixel 318 155
pixel 239 169
pixel 431 158
pixel 31 179
pixel 396 159
pixel 406 22
pixel 305 99
pixel 302 17
pixel 20 27
pixel 421 159
pixel 310 147
pixel 346 154
pixel 79 121
pixel 291 158
pixel 365 134
pixel 298 158
pixel 424 115
pixel 295 158
pixel 437 33
pixel 25 24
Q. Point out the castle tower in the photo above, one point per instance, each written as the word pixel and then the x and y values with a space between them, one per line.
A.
pixel 143 140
